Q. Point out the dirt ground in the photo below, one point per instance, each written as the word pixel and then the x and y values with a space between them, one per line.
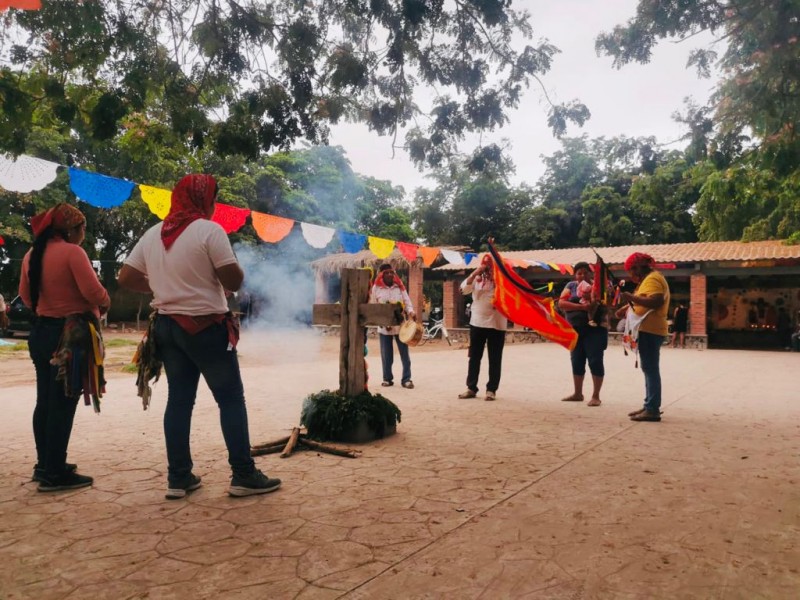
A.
pixel 525 497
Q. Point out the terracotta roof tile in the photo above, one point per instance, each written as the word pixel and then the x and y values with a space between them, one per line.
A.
pixel 662 253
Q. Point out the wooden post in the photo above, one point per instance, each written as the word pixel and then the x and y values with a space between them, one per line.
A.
pixel 353 314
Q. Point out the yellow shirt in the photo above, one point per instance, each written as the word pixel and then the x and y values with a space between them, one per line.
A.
pixel 656 321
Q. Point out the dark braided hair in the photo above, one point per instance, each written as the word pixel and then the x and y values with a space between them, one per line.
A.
pixel 35 264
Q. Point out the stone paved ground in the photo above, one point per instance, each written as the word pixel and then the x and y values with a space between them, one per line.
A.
pixel 526 497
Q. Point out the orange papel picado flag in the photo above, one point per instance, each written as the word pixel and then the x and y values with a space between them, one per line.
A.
pixel 516 300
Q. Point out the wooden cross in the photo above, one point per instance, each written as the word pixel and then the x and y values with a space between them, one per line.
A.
pixel 353 314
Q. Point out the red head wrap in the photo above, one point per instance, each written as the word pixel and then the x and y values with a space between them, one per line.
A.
pixel 382 284
pixel 62 217
pixel 191 199
pixel 639 259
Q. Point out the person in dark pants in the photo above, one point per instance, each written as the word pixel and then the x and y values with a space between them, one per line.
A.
pixel 680 323
pixel 592 339
pixel 650 303
pixel 188 264
pixel 487 328
pixel 58 283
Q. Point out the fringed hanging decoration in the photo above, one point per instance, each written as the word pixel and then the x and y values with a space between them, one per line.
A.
pixel 230 217
pixel 409 251
pixel 428 255
pixel 453 257
pixel 352 242
pixel 270 228
pixel 98 190
pixel 317 236
pixel 158 200
pixel 25 173
pixel 380 247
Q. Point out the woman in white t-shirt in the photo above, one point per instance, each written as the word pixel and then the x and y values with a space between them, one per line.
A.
pixel 188 264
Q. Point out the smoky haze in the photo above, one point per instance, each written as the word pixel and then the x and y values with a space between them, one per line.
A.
pixel 280 284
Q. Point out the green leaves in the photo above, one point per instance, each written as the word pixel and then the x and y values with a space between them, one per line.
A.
pixel 249 77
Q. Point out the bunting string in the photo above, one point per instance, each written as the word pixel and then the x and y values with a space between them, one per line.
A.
pixel 25 174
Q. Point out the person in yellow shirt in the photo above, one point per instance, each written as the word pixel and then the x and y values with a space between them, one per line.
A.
pixel 651 298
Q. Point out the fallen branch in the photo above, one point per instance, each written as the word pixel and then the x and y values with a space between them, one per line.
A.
pixel 261 450
pixel 278 442
pixel 347 452
pixel 291 443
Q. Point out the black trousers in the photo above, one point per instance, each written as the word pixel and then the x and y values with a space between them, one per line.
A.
pixel 54 412
pixel 494 339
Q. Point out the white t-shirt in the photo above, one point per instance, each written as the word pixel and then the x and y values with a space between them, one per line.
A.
pixel 183 278
pixel 392 295
pixel 482 312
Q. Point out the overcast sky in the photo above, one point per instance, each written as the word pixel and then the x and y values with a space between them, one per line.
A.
pixel 637 100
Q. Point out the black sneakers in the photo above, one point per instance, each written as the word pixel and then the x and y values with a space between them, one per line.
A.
pixel 70 480
pixel 255 483
pixel 38 472
pixel 180 489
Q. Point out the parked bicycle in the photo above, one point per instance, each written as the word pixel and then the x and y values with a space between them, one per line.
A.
pixel 434 329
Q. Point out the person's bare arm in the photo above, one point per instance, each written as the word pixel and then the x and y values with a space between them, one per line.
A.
pixel 653 301
pixel 230 276
pixel 133 279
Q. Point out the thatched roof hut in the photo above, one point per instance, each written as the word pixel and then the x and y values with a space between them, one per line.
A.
pixel 334 263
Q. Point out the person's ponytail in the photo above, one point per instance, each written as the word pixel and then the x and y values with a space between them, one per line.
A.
pixel 35 264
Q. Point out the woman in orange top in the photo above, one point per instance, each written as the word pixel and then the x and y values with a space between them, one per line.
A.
pixel 59 284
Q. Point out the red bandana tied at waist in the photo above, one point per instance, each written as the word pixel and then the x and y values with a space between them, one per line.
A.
pixel 191 199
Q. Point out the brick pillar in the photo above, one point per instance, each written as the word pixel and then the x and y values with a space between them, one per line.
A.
pixel 320 287
pixel 697 304
pixel 414 289
pixel 453 305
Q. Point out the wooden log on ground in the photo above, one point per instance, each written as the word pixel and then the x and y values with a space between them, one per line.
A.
pixel 346 452
pixel 261 450
pixel 291 443
pixel 278 442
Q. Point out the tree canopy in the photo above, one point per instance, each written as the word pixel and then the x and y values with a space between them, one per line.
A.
pixel 746 141
pixel 249 77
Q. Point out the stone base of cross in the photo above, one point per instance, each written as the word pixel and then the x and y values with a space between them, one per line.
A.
pixel 354 314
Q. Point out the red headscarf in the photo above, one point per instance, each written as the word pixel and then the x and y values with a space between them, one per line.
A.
pixel 191 199
pixel 382 284
pixel 62 217
pixel 639 259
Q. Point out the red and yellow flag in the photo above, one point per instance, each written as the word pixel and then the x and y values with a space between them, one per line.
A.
pixel 515 299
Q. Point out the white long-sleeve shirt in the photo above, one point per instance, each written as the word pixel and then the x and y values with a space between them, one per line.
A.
pixel 392 295
pixel 482 313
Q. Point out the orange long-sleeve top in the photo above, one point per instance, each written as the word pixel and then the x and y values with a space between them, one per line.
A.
pixel 69 284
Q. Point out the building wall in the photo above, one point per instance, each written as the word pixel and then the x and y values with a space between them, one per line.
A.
pixel 697 304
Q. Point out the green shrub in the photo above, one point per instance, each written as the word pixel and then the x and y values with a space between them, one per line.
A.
pixel 329 415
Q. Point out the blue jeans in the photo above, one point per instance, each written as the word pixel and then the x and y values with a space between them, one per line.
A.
pixel 185 358
pixel 54 412
pixel 387 357
pixel 649 356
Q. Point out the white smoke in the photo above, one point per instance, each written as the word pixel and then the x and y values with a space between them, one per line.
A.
pixel 280 287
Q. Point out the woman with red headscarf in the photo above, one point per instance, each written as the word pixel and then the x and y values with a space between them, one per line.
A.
pixel 650 301
pixel 60 286
pixel 487 328
pixel 188 264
